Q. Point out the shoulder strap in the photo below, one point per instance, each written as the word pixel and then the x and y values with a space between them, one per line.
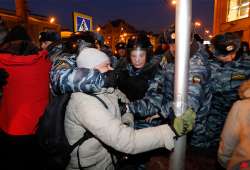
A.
pixel 98 98
pixel 87 135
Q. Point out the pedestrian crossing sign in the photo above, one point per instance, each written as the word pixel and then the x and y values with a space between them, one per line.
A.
pixel 82 22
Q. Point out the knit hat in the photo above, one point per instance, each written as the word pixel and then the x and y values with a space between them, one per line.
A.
pixel 91 57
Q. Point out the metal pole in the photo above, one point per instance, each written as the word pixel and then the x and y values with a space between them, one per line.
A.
pixel 183 35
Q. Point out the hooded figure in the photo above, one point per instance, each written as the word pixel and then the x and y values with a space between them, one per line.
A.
pixel 24 98
pixel 235 137
pixel 86 112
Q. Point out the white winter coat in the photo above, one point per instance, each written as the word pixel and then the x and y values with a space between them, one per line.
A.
pixel 87 112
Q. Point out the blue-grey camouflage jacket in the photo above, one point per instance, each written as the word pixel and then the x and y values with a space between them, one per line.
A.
pixel 226 79
pixel 150 104
pixel 67 78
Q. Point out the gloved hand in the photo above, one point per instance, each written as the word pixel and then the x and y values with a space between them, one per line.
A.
pixel 184 124
pixel 128 119
pixel 123 98
pixel 123 107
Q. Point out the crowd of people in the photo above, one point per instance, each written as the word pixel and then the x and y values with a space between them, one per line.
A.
pixel 124 100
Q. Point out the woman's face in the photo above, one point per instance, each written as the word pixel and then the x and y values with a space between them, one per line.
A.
pixel 138 58
pixel 104 67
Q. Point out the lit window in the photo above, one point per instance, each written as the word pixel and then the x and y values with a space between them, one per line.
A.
pixel 237 9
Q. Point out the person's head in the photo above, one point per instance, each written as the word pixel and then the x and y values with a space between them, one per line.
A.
pixel 170 38
pixel 92 58
pixel 47 38
pixel 79 40
pixel 244 90
pixel 121 49
pixel 3 31
pixel 225 46
pixel 163 43
pixel 139 51
pixel 17 33
pixel 99 43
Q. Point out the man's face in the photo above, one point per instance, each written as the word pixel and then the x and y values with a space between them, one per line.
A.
pixel 121 52
pixel 228 58
pixel 44 45
pixel 138 58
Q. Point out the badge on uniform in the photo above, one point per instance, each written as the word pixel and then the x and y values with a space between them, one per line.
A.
pixel 238 76
pixel 230 48
pixel 196 80
pixel 173 36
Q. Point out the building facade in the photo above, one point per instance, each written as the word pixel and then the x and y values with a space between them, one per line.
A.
pixel 35 23
pixel 232 16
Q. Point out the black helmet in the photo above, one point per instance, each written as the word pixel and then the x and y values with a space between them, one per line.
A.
pixel 141 42
pixel 120 45
pixel 223 44
pixel 49 36
pixel 86 39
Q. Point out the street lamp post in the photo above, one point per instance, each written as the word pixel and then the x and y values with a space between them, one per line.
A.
pixel 183 35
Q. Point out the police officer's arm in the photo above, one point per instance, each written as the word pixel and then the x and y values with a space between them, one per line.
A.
pixel 67 78
pixel 151 103
pixel 198 84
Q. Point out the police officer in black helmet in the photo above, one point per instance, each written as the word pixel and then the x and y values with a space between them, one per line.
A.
pixel 121 50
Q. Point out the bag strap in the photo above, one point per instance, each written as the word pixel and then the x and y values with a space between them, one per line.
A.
pixel 98 98
pixel 87 135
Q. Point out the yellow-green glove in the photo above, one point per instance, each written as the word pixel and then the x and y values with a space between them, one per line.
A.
pixel 184 124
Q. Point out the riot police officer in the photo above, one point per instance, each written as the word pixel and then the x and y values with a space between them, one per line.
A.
pixel 199 95
pixel 228 70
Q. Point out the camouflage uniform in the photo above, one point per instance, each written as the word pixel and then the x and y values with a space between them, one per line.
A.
pixel 226 79
pixel 67 78
pixel 147 103
pixel 199 94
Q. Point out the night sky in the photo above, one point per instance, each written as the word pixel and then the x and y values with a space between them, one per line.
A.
pixel 149 15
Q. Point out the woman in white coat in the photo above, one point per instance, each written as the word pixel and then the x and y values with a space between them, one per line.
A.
pixel 235 138
pixel 86 112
